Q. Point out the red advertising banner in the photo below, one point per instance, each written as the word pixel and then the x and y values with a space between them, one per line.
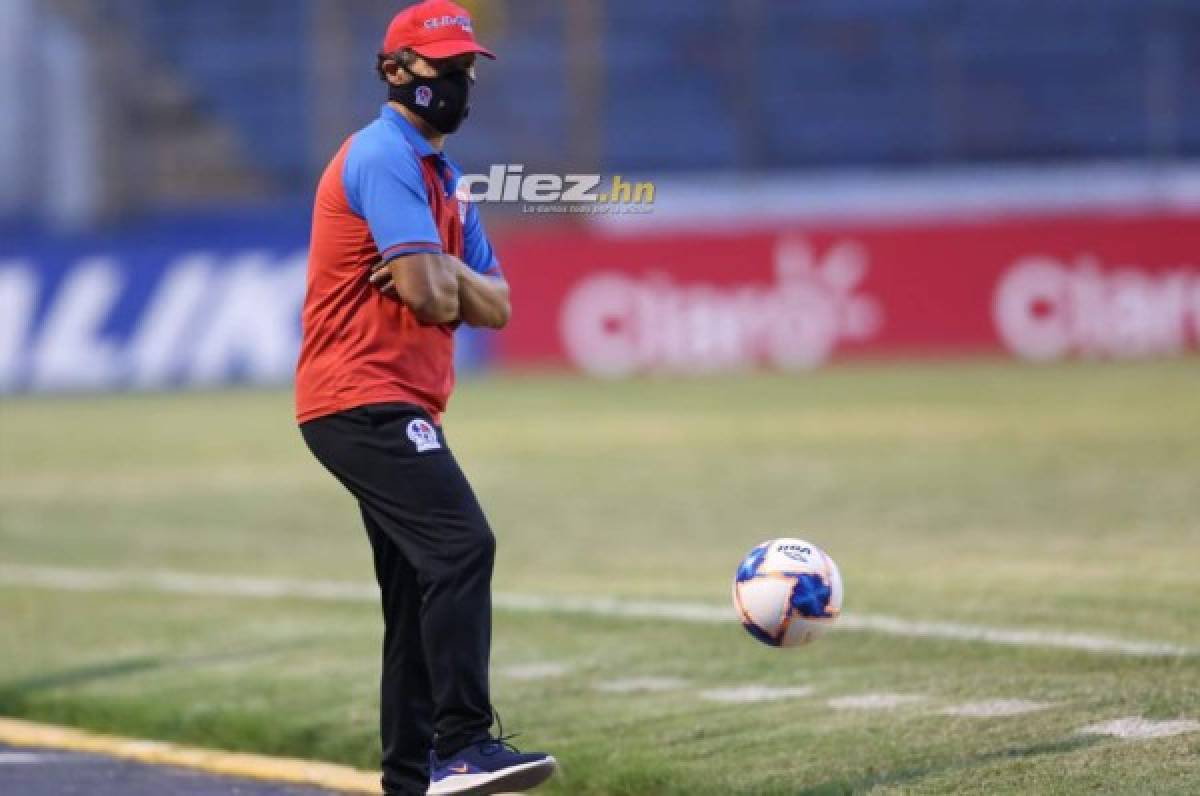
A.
pixel 795 297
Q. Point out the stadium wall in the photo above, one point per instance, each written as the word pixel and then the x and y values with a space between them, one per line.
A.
pixel 203 302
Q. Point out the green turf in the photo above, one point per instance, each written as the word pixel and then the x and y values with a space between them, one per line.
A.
pixel 1060 498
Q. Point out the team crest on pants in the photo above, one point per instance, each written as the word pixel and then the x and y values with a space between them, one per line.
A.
pixel 423 435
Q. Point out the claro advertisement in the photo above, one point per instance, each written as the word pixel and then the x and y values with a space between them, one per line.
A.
pixel 794 298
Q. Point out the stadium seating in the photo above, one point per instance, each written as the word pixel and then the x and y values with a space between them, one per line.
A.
pixel 728 85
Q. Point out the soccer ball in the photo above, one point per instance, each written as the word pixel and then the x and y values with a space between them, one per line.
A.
pixel 787 591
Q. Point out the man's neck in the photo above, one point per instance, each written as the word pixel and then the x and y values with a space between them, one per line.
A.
pixel 436 140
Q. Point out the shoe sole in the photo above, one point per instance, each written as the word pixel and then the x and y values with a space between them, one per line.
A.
pixel 511 780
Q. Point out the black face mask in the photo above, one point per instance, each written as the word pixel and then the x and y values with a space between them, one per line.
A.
pixel 443 101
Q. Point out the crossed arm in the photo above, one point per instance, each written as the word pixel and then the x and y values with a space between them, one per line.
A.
pixel 440 288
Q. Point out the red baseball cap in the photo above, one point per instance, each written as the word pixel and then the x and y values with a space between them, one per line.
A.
pixel 434 29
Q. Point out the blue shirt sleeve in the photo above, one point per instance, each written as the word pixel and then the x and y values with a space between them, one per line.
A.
pixel 385 187
pixel 477 249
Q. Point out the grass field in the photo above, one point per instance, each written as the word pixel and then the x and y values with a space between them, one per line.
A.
pixel 1057 499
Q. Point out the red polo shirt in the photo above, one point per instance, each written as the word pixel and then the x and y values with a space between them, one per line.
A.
pixel 386 193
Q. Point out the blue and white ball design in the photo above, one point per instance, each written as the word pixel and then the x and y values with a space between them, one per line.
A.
pixel 787 592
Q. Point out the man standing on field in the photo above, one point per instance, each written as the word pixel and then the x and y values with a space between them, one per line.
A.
pixel 397 262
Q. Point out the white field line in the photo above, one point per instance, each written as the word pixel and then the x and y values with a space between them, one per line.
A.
pixel 157 484
pixel 881 701
pixel 873 623
pixel 169 582
pixel 641 685
pixel 996 708
pixel 750 694
pixel 538 670
pixel 1138 727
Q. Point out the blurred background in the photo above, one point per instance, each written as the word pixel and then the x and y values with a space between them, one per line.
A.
pixel 151 152
pixel 119 107
pixel 870 217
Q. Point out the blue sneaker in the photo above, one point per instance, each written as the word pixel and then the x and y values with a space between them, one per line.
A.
pixel 492 766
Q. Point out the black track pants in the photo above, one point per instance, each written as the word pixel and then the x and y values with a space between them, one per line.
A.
pixel 434 553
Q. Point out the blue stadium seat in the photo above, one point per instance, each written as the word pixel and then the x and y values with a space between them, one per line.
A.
pixel 718 84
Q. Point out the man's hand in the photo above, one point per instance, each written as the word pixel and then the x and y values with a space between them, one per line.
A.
pixel 426 283
pixel 483 300
pixel 381 277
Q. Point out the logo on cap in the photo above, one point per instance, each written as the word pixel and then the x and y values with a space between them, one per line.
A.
pixel 424 96
pixel 447 21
